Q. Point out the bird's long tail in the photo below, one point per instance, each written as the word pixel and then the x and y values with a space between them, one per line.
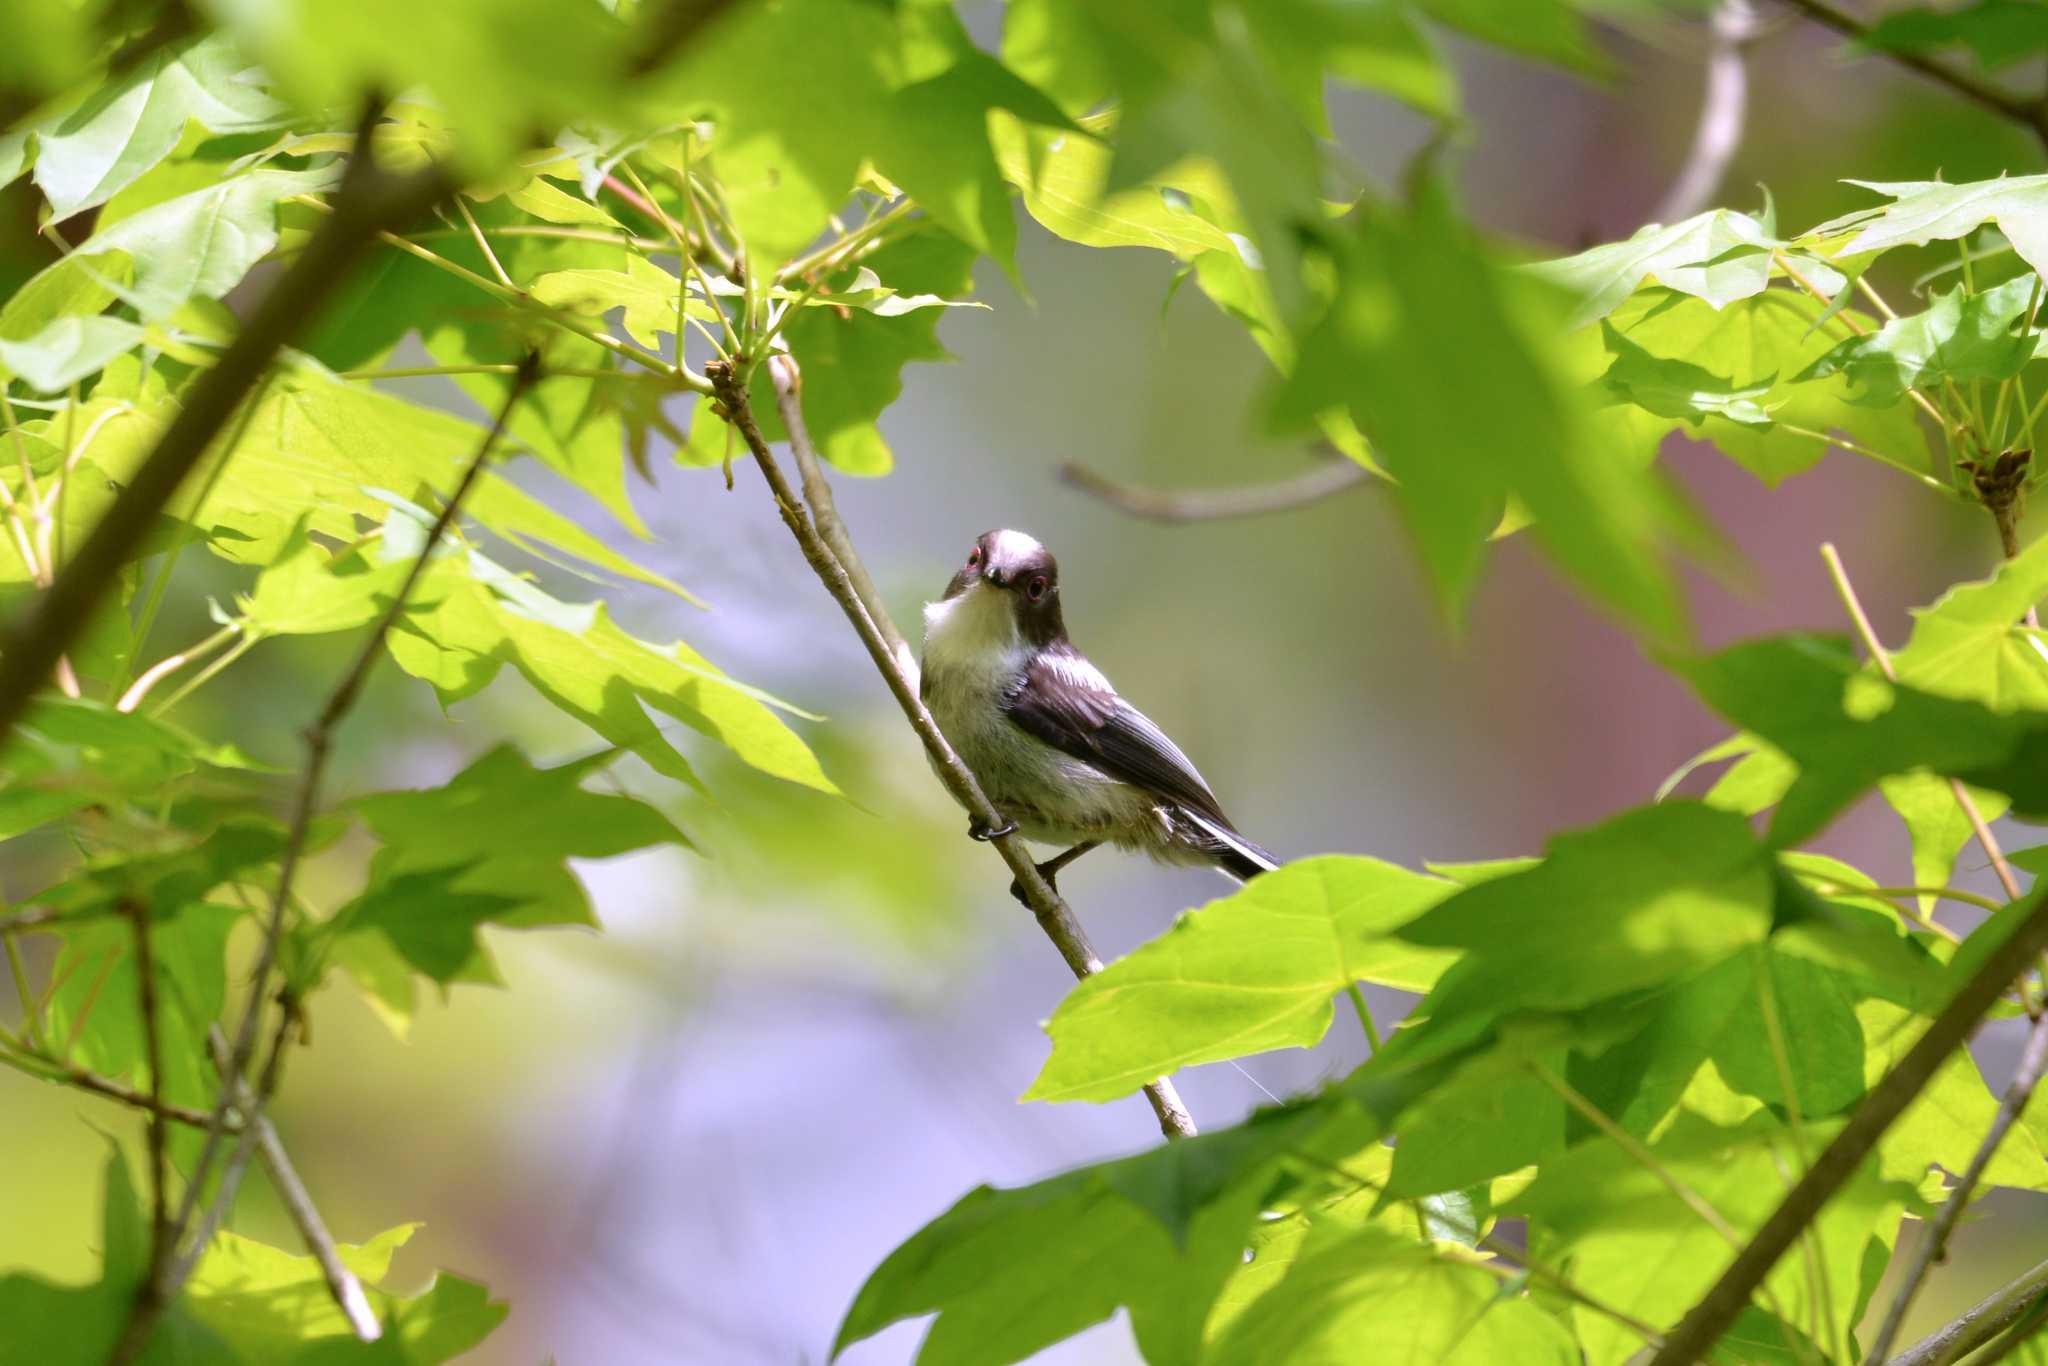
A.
pixel 1235 854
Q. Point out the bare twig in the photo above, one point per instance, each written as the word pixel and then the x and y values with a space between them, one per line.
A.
pixel 1724 104
pixel 2027 1328
pixel 2003 1308
pixel 1053 914
pixel 1333 475
pixel 2033 1059
pixel 788 381
pixel 369 202
pixel 1951 1029
pixel 2027 113
pixel 319 739
pixel 114 1090
pixel 341 1282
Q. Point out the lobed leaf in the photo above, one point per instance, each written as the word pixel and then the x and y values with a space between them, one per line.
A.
pixel 1253 971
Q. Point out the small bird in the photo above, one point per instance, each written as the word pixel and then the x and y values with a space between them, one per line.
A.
pixel 1063 758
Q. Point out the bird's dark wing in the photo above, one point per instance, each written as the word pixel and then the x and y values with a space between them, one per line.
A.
pixel 1063 701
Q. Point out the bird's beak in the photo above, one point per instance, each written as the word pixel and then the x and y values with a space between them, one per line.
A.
pixel 995 576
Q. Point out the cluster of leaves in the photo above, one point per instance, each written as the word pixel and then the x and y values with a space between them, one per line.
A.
pixel 1626 1044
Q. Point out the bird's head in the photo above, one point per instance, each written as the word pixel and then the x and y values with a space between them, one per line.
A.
pixel 1008 574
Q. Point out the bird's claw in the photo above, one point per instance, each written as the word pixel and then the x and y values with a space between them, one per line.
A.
pixel 1049 874
pixel 976 830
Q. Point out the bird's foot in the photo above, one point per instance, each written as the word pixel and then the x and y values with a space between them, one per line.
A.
pixel 976 830
pixel 1049 870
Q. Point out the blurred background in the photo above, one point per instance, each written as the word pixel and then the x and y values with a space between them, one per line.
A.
pixel 690 1138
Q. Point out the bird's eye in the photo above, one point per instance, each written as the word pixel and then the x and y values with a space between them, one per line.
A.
pixel 974 557
pixel 1037 588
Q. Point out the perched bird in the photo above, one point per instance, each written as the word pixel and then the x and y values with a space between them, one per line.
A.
pixel 1063 758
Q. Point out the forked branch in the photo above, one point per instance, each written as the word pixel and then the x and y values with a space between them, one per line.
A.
pixel 236 1096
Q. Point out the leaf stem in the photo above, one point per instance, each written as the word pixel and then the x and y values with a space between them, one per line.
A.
pixel 1855 328
pixel 483 245
pixel 1365 1020
pixel 1839 574
pixel 206 675
pixel 1640 1153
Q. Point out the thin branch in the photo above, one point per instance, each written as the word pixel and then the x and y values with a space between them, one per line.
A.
pixel 1980 1323
pixel 1053 914
pixel 1882 658
pixel 319 738
pixel 113 1090
pixel 1332 476
pixel 788 380
pixel 2025 1330
pixel 1724 105
pixel 369 202
pixel 149 1297
pixel 1885 1102
pixel 2033 1059
pixel 153 1057
pixel 2005 104
pixel 341 1282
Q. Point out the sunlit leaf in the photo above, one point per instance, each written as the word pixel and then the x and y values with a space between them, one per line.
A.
pixel 1250 972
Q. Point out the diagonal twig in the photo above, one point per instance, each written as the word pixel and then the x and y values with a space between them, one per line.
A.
pixel 153 1054
pixel 1333 475
pixel 1704 1324
pixel 341 1282
pixel 2033 1060
pixel 2009 1306
pixel 788 380
pixel 1054 916
pixel 2029 114
pixel 162 1289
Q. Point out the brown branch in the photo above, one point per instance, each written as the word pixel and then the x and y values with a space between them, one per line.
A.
pixel 1332 476
pixel 341 1282
pixel 1054 916
pixel 2003 1308
pixel 148 1303
pixel 2023 1331
pixel 369 201
pixel 1724 106
pixel 2027 113
pixel 1951 1030
pixel 2033 1059
pixel 319 739
pixel 153 1054
pixel 788 380
pixel 98 1085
